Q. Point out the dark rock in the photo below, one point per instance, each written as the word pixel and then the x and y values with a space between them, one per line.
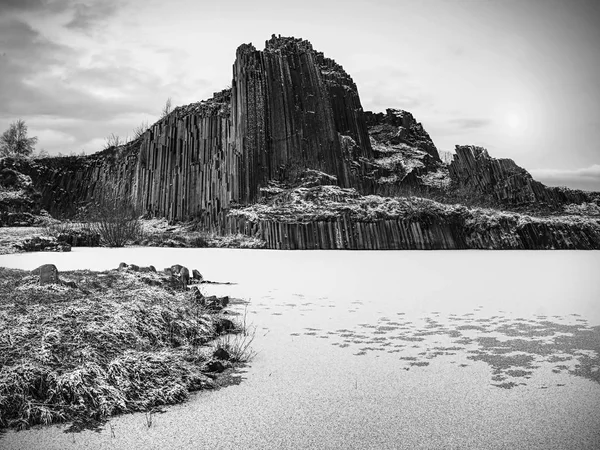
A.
pixel 198 296
pixel 197 276
pixel 176 269
pixel 224 326
pixel 212 302
pixel 134 267
pixel 151 281
pixel 184 276
pixel 48 274
pixel 214 366
pixel 222 354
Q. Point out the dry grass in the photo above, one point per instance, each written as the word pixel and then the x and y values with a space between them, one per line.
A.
pixel 112 345
pixel 238 343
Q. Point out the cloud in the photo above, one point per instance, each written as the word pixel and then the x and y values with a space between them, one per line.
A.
pixel 469 123
pixel 54 138
pixel 82 94
pixel 34 6
pixel 41 77
pixel 21 5
pixel 89 16
pixel 587 178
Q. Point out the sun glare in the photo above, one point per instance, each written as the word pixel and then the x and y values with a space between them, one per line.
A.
pixel 513 121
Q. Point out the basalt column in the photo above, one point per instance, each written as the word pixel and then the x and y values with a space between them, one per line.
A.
pixel 283 115
pixel 187 168
pixel 345 102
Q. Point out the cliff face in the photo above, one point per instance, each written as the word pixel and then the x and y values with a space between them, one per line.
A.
pixel 188 167
pixel 290 107
pixel 65 184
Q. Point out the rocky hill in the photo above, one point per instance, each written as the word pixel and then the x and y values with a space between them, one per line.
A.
pixel 288 154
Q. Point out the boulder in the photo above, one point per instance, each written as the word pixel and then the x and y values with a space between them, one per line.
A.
pixel 224 326
pixel 184 276
pixel 48 274
pixel 197 276
pixel 214 302
pixel 221 353
pixel 176 268
pixel 214 366
pixel 182 273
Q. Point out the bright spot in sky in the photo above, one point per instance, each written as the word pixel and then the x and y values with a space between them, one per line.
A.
pixel 513 121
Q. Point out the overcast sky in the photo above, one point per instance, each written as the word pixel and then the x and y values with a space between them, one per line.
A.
pixel 520 78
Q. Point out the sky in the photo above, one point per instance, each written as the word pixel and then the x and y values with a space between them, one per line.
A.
pixel 518 77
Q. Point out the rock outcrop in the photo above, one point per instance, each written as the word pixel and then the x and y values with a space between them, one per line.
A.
pixel 473 170
pixel 20 202
pixel 328 217
pixel 66 184
pixel 405 157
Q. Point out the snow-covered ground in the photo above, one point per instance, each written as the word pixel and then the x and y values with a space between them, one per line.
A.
pixel 366 349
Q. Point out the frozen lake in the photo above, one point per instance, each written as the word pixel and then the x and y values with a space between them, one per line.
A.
pixel 392 349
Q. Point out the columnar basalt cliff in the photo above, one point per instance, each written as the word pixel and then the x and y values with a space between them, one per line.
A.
pixel 187 167
pixel 292 122
pixel 290 108
pixel 70 182
pixel 502 180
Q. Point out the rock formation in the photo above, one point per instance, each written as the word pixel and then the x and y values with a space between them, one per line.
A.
pixel 292 121
pixel 502 180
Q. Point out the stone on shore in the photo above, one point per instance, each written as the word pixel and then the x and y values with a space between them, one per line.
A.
pixel 48 274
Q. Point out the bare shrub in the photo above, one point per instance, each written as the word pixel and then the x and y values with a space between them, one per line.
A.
pixel 140 130
pixel 114 141
pixel 167 108
pixel 116 220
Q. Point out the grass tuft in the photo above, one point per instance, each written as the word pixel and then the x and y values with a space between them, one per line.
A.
pixel 238 342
